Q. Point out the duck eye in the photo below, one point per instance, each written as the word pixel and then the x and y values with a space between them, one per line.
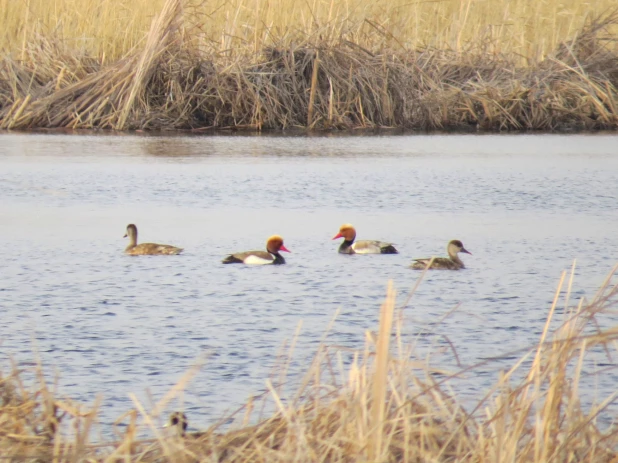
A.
pixel 175 421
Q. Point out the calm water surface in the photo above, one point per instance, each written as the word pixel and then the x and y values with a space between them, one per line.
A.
pixel 525 206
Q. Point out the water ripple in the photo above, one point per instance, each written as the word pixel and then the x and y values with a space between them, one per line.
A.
pixel 524 206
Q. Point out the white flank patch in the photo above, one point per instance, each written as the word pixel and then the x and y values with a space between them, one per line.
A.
pixel 371 249
pixel 255 260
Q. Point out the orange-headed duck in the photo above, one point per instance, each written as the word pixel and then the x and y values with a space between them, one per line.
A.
pixel 147 249
pixel 270 256
pixel 452 262
pixel 349 246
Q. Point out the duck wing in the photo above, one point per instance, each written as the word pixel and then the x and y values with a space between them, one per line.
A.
pixel 373 247
pixel 154 249
pixel 250 258
pixel 420 264
pixel 439 263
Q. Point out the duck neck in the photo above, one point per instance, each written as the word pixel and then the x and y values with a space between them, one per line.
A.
pixel 278 258
pixel 346 246
pixel 132 241
pixel 455 258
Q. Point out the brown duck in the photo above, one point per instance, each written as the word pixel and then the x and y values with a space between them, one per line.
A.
pixel 350 246
pixel 452 262
pixel 147 249
pixel 274 245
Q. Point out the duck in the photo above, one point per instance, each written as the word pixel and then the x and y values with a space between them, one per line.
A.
pixel 452 262
pixel 147 249
pixel 349 246
pixel 274 245
pixel 178 422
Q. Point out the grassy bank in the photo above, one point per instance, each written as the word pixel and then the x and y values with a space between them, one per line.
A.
pixel 385 406
pixel 272 64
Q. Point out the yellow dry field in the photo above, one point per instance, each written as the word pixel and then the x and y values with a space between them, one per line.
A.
pixel 109 28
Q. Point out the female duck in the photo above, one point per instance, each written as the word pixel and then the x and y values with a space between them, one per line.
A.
pixel 452 262
pixel 270 256
pixel 348 233
pixel 147 249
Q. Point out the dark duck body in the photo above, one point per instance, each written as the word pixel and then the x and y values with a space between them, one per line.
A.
pixel 271 256
pixel 351 246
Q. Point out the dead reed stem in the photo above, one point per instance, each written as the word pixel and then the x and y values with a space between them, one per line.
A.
pixel 380 377
pixel 314 83
pixel 161 31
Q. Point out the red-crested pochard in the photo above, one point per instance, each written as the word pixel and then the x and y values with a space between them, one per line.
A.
pixel 452 262
pixel 147 249
pixel 348 233
pixel 270 256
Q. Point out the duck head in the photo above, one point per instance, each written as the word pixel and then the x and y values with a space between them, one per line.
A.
pixel 274 244
pixel 131 231
pixel 456 246
pixel 347 232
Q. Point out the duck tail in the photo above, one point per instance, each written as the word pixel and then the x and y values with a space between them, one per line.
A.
pixel 390 249
pixel 231 259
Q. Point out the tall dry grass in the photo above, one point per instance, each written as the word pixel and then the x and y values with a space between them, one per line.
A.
pixel 326 65
pixel 111 28
pixel 384 406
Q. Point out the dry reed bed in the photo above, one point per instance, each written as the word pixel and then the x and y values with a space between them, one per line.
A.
pixel 172 83
pixel 109 29
pixel 383 407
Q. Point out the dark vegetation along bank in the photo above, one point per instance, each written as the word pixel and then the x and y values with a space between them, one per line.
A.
pixel 170 82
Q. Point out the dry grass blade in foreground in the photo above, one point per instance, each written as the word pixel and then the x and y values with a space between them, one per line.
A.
pixel 390 408
pixel 323 81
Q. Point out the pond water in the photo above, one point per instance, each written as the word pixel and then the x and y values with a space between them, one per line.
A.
pixel 526 206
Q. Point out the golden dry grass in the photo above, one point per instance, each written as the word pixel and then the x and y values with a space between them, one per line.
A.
pixel 111 28
pixel 385 406
pixel 336 65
